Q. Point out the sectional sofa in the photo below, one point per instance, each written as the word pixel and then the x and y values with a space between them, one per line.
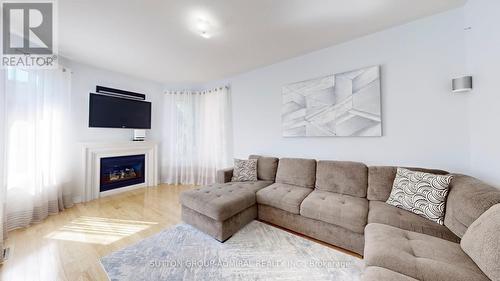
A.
pixel 343 204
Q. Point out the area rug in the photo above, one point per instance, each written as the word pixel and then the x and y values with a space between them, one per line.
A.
pixel 257 252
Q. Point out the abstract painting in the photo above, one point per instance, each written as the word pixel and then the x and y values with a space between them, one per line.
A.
pixel 344 105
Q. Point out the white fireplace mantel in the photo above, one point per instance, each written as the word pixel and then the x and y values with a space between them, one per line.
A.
pixel 91 158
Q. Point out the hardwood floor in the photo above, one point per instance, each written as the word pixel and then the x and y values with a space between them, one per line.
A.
pixel 68 246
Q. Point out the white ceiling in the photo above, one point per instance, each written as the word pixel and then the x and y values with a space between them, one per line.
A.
pixel 154 39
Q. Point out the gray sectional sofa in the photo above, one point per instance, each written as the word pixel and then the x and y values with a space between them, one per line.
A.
pixel 343 204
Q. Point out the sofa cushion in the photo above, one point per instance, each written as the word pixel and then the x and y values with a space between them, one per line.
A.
pixel 266 167
pixel 244 170
pixel 252 187
pixel 417 255
pixel 468 199
pixel 300 172
pixel 348 178
pixel 381 212
pixel 381 179
pixel 283 196
pixel 343 210
pixel 481 242
pixel 320 230
pixel 375 273
pixel 222 201
pixel 421 193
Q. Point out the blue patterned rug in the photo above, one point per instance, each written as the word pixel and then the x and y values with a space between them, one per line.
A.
pixel 257 252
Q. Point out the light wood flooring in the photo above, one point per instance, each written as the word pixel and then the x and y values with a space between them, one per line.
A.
pixel 68 246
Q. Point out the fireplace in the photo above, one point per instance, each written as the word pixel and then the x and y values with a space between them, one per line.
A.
pixel 122 171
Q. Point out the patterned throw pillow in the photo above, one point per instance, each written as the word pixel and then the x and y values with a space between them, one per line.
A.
pixel 245 170
pixel 421 193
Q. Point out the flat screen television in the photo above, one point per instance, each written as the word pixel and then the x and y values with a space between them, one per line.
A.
pixel 112 112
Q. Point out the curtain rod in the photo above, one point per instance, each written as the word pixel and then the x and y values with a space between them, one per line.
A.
pixel 198 91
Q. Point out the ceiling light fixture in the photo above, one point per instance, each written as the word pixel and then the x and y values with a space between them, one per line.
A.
pixel 203 23
pixel 204 28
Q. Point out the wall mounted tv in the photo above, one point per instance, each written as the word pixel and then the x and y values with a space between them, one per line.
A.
pixel 113 112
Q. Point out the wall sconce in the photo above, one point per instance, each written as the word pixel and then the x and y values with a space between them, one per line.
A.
pixel 462 84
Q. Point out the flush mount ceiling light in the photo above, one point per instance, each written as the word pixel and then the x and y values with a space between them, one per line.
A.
pixel 202 23
pixel 203 27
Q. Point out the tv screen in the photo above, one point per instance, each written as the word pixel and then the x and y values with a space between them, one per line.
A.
pixel 112 112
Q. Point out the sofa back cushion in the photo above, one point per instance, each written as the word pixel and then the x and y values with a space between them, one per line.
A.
pixel 266 167
pixel 481 242
pixel 468 199
pixel 381 179
pixel 299 172
pixel 349 178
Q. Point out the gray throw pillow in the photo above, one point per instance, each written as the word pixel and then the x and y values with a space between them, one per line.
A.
pixel 245 170
pixel 421 193
pixel 481 242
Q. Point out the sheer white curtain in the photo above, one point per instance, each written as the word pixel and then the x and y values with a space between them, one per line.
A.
pixel 35 107
pixel 196 136
pixel 3 229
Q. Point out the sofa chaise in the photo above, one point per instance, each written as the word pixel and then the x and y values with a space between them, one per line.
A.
pixel 343 204
pixel 223 208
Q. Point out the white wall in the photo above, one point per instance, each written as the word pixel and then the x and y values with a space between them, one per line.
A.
pixel 483 52
pixel 424 123
pixel 84 79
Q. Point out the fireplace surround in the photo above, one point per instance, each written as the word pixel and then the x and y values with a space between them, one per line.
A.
pixel 93 155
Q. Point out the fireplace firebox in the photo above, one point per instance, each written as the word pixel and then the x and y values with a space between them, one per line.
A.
pixel 122 171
